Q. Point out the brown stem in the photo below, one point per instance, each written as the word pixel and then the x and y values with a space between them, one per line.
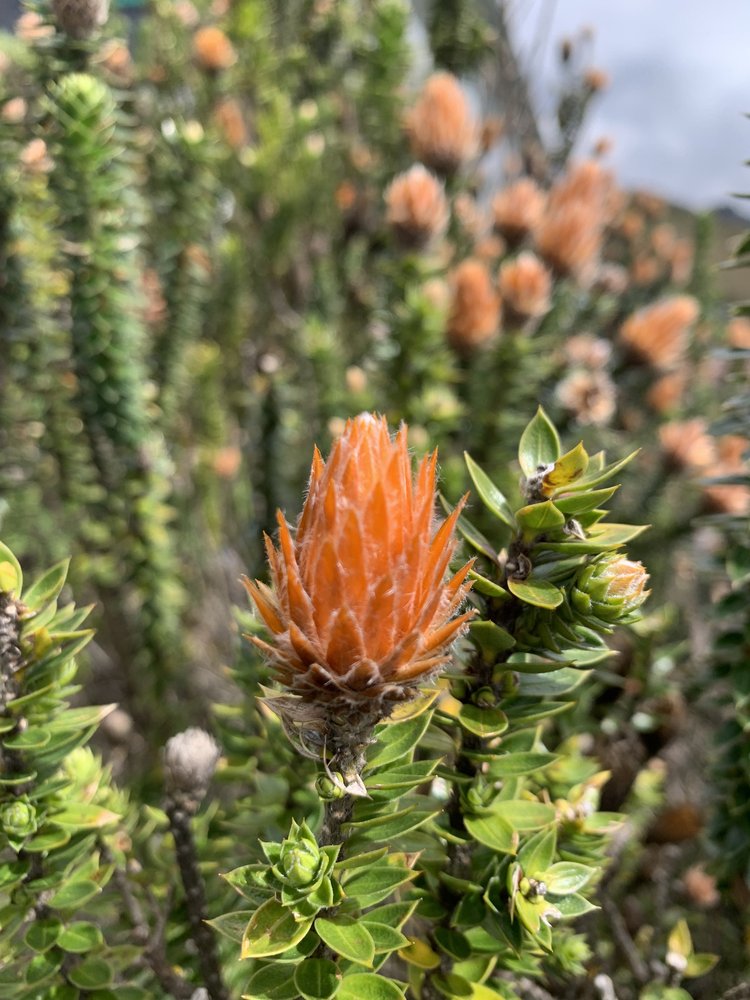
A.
pixel 195 899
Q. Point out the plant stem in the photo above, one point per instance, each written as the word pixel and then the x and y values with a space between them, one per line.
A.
pixel 195 900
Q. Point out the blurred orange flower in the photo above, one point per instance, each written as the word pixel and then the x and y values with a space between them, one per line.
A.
pixel 518 210
pixel 360 612
pixel 569 239
pixel 687 444
pixel 417 209
pixel 442 129
pixel 212 49
pixel 658 334
pixel 475 306
pixel 525 287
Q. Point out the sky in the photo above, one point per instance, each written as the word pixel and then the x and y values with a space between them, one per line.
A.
pixel 679 91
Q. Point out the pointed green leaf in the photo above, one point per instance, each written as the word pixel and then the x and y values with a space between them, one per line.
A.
pixel 523 814
pixel 398 740
pixel 537 518
pixel 47 588
pixel 317 979
pixel 491 496
pixel 366 986
pixel 510 765
pixel 566 877
pixel 491 639
pixel 493 832
pixel 539 445
pixel 11 576
pixel 484 722
pixel 539 593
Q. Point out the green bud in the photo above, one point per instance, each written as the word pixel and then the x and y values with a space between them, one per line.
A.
pixel 329 788
pixel 485 698
pixel 18 819
pixel 299 862
pixel 610 588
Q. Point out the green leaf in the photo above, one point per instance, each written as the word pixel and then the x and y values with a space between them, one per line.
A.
pixel 91 974
pixel 366 986
pixel 271 982
pixel 524 710
pixel 538 853
pixel 574 906
pixel 680 941
pixel 84 816
pixel 484 722
pixel 33 738
pixel 599 538
pixel 539 593
pixel 47 840
pixel 491 639
pixel 80 937
pixel 603 822
pixel 453 943
pixel 579 503
pixel 401 777
pixel 47 588
pixel 552 685
pixel 566 877
pixel 397 740
pixel 537 518
pixel 539 445
pixel 492 832
pixel 510 765
pixel 393 914
pixel 700 964
pixel 361 860
pixel 11 576
pixel 386 938
pixel 488 587
pixel 473 536
pixel 597 476
pixel 375 884
pixel 74 894
pixel 42 934
pixel 317 979
pixel 271 930
pixel 490 495
pixel 521 814
pixel 232 925
pixel 80 718
pixel 348 938
pixel 388 826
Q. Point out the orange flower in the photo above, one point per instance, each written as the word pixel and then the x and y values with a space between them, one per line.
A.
pixel 518 210
pixel 441 127
pixel 687 444
pixel 738 332
pixel 417 209
pixel 525 287
pixel 589 396
pixel 360 612
pixel 570 238
pixel 666 392
pixel 657 334
pixel 230 121
pixel 475 306
pixel 212 49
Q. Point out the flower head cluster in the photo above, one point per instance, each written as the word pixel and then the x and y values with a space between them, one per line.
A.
pixel 360 611
pixel 518 209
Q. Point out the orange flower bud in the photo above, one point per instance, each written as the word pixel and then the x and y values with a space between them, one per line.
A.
pixel 525 287
pixel 518 210
pixel 441 127
pixel 417 209
pixel 569 239
pixel 212 49
pixel 687 444
pixel 360 612
pixel 475 306
pixel 657 335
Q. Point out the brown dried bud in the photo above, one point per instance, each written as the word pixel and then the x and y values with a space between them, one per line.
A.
pixel 80 19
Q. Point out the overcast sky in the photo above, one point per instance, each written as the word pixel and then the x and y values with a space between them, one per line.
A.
pixel 680 86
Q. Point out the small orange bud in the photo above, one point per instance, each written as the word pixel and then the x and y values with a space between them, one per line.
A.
pixel 212 49
pixel 525 287
pixel 475 306
pixel 441 127
pixel 417 210
pixel 657 335
pixel 518 210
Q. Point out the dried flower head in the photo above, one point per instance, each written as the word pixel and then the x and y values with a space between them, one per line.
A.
pixel 589 396
pixel 686 444
pixel 490 248
pixel 14 111
pixel 212 49
pixel 645 270
pixel 80 19
pixel 475 306
pixel 441 127
pixel 738 332
pixel 611 279
pixel 570 238
pixel 525 288
pixel 34 157
pixel 657 335
pixel 595 80
pixel 417 209
pixel 518 210
pixel 31 27
pixel 360 612
pixel 587 351
pixel 116 60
